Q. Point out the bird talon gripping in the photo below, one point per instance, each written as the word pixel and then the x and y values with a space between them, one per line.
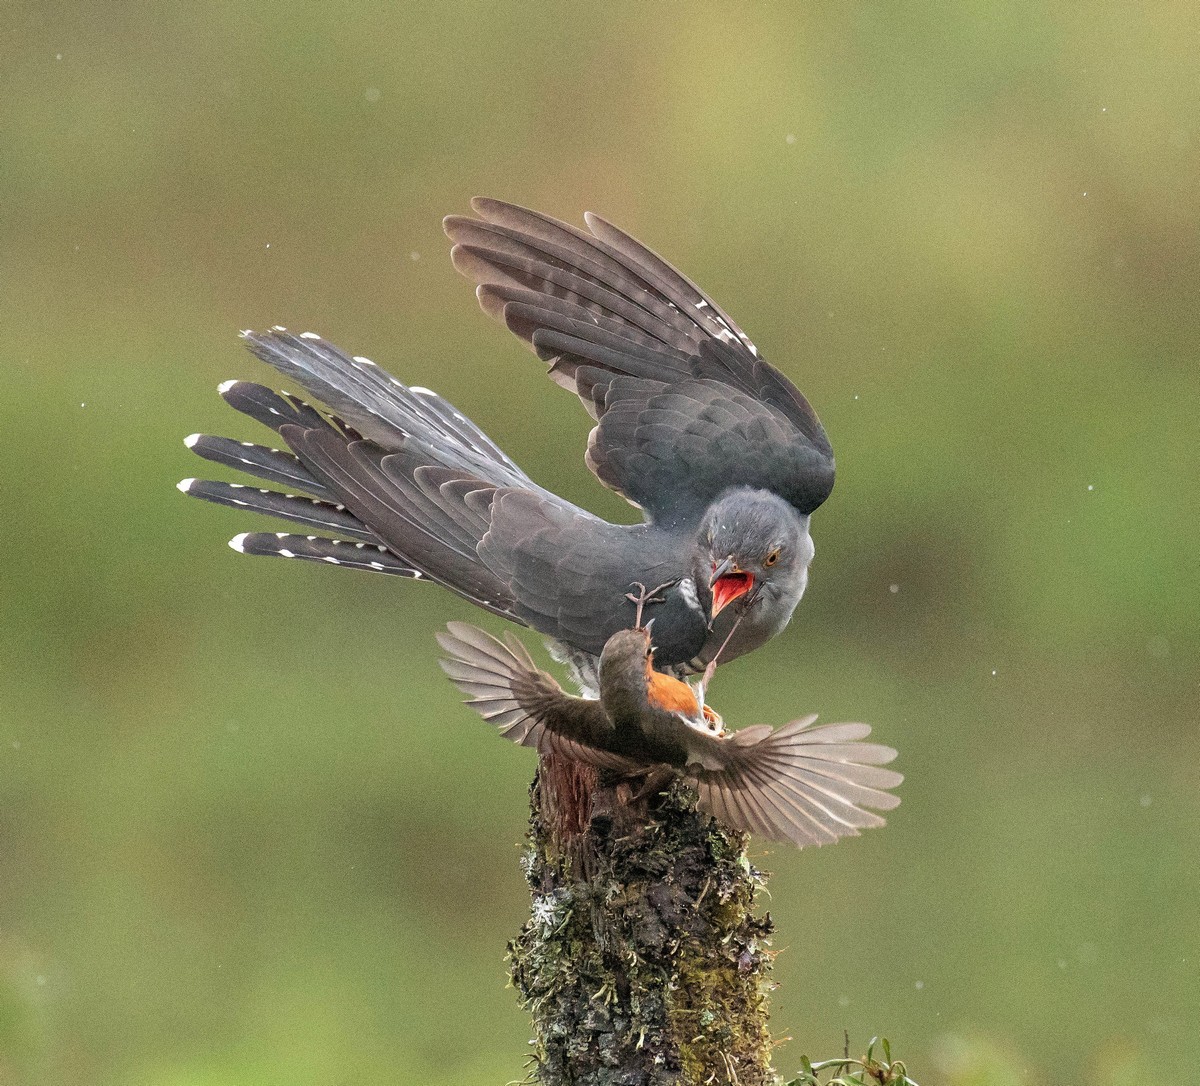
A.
pixel 645 596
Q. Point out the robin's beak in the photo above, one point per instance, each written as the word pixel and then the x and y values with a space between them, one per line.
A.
pixel 728 583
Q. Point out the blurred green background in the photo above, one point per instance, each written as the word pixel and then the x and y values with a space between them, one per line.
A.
pixel 248 835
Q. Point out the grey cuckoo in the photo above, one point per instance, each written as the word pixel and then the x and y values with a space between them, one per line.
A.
pixel 721 453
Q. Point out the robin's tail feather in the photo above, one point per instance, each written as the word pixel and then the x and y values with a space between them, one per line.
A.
pixel 509 690
pixel 797 783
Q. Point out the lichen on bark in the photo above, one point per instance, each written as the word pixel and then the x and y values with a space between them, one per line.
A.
pixel 643 962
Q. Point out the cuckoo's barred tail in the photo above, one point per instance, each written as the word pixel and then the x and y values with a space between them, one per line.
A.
pixel 371 557
pixel 309 512
pixel 370 403
pixel 801 784
pixel 393 462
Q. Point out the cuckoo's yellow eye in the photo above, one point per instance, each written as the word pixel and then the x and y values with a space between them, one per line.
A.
pixel 771 558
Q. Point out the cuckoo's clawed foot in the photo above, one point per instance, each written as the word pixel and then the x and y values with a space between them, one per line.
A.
pixel 643 596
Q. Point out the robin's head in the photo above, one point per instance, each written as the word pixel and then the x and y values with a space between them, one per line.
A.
pixel 753 544
pixel 624 666
pixel 629 651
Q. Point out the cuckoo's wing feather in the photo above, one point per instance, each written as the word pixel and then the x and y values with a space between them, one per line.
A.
pixel 602 301
pixel 525 703
pixel 797 783
pixel 673 448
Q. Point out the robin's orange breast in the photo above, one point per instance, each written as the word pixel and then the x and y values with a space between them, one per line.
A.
pixel 673 695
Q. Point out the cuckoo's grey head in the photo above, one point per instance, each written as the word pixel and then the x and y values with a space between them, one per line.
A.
pixel 753 545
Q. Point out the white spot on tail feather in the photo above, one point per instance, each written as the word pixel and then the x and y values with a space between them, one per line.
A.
pixel 238 542
pixel 420 390
pixel 185 485
pixel 286 554
pixel 309 335
pixel 225 386
pixel 191 439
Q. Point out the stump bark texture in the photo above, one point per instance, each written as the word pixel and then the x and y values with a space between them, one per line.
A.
pixel 643 962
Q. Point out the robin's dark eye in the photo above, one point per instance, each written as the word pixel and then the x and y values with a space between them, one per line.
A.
pixel 771 558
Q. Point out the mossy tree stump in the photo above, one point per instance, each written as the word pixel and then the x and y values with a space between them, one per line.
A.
pixel 643 962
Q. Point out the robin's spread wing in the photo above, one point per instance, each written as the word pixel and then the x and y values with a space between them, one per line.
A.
pixel 602 301
pixel 508 690
pixel 796 783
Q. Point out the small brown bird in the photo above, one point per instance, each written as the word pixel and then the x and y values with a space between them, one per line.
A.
pixel 796 783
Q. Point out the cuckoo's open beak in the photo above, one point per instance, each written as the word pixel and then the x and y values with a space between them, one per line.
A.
pixel 728 583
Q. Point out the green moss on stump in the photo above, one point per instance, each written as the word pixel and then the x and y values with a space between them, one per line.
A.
pixel 643 963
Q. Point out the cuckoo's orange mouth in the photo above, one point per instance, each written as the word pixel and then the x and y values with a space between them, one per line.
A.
pixel 729 587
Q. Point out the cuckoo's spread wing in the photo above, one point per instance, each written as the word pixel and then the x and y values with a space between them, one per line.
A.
pixel 622 328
